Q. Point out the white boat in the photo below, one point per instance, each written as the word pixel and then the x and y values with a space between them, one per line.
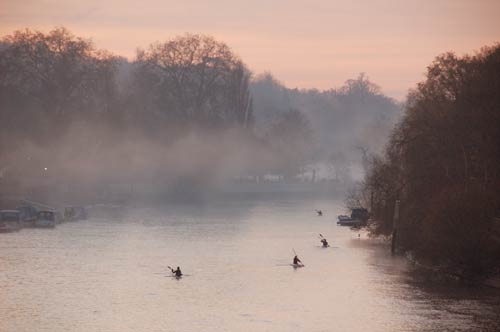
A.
pixel 10 221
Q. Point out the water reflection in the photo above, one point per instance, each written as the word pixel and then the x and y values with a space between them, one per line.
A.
pixel 431 306
pixel 110 274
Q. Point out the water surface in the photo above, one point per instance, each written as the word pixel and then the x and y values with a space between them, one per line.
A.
pixel 109 273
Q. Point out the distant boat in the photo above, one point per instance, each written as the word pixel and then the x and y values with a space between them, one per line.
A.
pixel 10 221
pixel 359 217
pixel 28 215
pixel 46 219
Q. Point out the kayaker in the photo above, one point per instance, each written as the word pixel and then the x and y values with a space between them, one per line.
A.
pixel 324 242
pixel 296 261
pixel 177 272
pixel 319 212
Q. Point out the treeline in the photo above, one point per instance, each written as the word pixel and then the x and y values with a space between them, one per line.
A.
pixel 70 112
pixel 187 108
pixel 50 80
pixel 346 124
pixel 443 164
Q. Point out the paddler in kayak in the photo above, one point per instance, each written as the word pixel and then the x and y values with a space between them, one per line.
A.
pixel 177 272
pixel 296 261
pixel 320 213
pixel 324 242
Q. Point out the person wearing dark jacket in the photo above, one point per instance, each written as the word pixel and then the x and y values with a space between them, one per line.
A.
pixel 296 261
pixel 324 242
pixel 177 272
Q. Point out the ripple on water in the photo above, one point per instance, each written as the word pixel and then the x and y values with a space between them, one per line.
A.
pixel 111 275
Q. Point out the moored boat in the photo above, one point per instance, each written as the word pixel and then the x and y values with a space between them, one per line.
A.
pixel 10 221
pixel 28 215
pixel 46 219
pixel 359 217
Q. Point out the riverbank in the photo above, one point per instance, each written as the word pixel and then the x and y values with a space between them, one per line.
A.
pixel 118 193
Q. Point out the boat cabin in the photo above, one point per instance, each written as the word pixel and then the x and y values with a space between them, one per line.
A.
pixel 28 214
pixel 46 219
pixel 10 220
pixel 359 217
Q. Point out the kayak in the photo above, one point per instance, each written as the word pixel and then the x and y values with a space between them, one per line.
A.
pixel 178 277
pixel 296 266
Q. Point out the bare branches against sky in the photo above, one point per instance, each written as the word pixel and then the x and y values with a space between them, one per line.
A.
pixel 306 44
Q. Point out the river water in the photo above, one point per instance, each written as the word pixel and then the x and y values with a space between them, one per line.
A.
pixel 109 273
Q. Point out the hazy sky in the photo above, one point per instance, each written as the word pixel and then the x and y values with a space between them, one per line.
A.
pixel 305 44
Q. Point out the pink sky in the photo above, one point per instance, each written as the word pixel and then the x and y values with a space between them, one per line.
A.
pixel 305 44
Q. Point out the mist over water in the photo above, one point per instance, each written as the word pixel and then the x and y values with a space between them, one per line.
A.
pixel 109 273
pixel 184 157
pixel 186 114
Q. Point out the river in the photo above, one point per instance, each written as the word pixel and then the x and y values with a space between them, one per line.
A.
pixel 109 273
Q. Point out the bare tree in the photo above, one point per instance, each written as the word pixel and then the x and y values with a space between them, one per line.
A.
pixel 53 77
pixel 198 79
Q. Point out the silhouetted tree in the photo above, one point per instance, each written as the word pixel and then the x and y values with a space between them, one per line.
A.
pixel 196 79
pixel 52 77
pixel 442 163
pixel 67 104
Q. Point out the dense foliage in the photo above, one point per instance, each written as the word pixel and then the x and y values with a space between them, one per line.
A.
pixel 442 163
